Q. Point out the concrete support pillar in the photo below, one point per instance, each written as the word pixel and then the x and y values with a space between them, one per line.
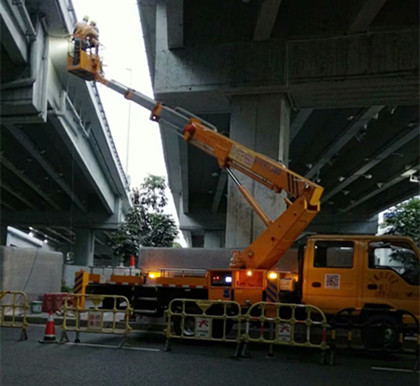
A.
pixel 187 237
pixel 66 250
pixel 213 239
pixel 3 235
pixel 345 224
pixel 261 123
pixel 161 26
pixel 84 247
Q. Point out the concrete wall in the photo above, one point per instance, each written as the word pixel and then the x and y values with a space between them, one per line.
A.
pixel 199 258
pixel 31 270
pixel 192 258
pixel 69 272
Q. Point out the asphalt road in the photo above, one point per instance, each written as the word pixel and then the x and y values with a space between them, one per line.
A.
pixel 144 362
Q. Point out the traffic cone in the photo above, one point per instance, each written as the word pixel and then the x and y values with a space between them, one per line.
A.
pixel 49 336
pixel 132 262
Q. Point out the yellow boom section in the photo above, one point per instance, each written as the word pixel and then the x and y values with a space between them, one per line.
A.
pixel 305 195
pixel 261 168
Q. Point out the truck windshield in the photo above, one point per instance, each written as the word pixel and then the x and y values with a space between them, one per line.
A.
pixel 399 257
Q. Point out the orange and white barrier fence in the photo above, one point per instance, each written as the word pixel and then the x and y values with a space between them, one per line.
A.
pixel 14 307
pixel 100 314
pixel 201 319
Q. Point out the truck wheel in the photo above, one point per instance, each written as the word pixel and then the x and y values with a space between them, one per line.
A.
pixel 381 332
pixel 189 326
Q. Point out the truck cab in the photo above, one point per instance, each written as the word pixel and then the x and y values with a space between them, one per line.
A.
pixel 361 272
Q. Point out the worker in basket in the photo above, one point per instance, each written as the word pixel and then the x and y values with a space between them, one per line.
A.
pixel 93 36
pixel 80 32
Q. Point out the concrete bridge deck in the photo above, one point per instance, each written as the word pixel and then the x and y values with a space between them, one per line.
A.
pixel 330 88
pixel 60 171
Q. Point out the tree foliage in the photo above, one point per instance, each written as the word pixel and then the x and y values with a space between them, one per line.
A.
pixel 145 225
pixel 404 220
pixel 151 194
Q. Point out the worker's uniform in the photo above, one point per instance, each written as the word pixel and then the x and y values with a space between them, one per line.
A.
pixel 92 35
pixel 80 40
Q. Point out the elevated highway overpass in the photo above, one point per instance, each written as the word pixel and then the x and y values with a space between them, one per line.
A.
pixel 330 88
pixel 61 176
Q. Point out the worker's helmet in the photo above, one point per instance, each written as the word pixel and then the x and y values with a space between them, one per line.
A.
pixel 92 23
pixel 86 18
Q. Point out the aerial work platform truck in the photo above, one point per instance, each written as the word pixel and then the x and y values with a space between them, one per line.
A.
pixel 377 276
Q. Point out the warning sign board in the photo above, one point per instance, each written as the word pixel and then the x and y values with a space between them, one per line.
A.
pixel 94 320
pixel 202 327
pixel 284 332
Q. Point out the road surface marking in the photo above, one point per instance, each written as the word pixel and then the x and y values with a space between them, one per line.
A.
pixel 109 346
pixel 394 369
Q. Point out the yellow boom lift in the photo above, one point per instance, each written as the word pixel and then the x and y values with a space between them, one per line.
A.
pixel 370 274
pixel 303 201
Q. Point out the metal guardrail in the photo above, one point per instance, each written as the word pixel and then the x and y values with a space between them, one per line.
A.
pixel 14 307
pixel 286 324
pixel 77 317
pixel 269 323
pixel 200 319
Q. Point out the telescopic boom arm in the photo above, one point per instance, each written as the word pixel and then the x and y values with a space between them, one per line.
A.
pixel 303 201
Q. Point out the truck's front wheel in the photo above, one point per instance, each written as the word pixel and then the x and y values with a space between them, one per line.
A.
pixel 381 332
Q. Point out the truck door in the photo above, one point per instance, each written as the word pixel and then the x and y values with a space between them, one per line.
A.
pixel 330 279
pixel 392 276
